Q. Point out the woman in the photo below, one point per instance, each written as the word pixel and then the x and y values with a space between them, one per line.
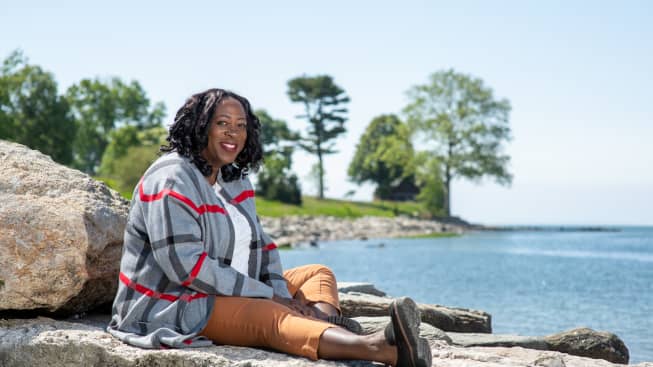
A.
pixel 197 267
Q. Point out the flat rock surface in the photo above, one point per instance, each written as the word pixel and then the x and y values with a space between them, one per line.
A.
pixel 47 342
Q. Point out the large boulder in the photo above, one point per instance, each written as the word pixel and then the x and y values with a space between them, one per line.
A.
pixel 60 235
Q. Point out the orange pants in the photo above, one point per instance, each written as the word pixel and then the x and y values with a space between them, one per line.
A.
pixel 259 322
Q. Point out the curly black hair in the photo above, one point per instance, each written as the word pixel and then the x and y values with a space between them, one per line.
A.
pixel 188 135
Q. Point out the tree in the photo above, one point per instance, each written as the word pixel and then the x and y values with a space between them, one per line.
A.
pixel 384 156
pixel 323 104
pixel 465 126
pixel 275 181
pixel 31 110
pixel 130 151
pixel 99 107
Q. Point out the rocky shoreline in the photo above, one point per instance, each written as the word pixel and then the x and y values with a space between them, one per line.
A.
pixel 293 230
pixel 60 245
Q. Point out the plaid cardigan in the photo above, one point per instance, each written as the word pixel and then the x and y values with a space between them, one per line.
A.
pixel 176 257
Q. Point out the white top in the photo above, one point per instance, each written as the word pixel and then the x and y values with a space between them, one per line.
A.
pixel 242 234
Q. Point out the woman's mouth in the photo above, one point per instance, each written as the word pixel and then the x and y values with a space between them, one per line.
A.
pixel 228 147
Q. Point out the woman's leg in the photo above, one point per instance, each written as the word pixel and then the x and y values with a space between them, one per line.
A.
pixel 255 322
pixel 338 343
pixel 315 285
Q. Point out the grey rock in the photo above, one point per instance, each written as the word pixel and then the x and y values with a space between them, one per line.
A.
pixel 373 324
pixel 367 288
pixel 356 304
pixel 497 340
pixel 589 343
pixel 60 234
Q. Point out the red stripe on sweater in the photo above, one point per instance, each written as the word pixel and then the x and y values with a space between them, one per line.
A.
pixel 154 294
pixel 195 271
pixel 270 246
pixel 161 194
pixel 243 196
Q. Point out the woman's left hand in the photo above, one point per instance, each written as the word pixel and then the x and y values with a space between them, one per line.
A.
pixel 296 305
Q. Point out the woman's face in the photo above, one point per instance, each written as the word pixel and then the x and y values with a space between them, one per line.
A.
pixel 227 133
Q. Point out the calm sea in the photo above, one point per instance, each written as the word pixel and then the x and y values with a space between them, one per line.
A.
pixel 532 283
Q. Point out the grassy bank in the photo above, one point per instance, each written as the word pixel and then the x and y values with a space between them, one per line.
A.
pixel 337 208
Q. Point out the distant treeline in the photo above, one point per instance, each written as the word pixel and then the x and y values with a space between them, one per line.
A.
pixel 111 130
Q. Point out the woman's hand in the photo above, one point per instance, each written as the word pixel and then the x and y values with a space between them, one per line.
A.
pixel 296 305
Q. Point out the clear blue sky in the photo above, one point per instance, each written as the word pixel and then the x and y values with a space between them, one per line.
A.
pixel 577 73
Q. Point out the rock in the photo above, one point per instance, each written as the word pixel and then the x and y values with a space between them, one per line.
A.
pixel 589 343
pixel 497 340
pixel 356 304
pixel 367 288
pixel 373 324
pixel 60 235
pixel 46 342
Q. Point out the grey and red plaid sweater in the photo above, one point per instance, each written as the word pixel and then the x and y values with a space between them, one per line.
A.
pixel 176 256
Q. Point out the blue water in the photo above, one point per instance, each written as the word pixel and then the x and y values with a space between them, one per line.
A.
pixel 532 283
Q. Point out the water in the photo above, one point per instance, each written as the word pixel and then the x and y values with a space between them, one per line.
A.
pixel 532 283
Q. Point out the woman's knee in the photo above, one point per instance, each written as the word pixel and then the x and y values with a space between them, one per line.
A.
pixel 322 270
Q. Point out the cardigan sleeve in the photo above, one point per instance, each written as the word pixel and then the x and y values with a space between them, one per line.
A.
pixel 173 227
pixel 271 269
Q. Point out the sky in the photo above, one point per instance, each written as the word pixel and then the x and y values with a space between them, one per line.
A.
pixel 578 75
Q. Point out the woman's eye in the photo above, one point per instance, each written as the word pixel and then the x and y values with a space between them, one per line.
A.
pixel 242 126
pixel 221 123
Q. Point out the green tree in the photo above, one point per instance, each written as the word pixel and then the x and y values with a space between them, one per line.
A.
pixel 384 156
pixel 323 103
pixel 31 110
pixel 276 181
pixel 129 152
pixel 99 107
pixel 457 116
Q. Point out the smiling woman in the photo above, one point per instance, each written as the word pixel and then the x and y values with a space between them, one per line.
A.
pixel 197 267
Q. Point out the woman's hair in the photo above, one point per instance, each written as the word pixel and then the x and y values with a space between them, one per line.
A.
pixel 188 135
